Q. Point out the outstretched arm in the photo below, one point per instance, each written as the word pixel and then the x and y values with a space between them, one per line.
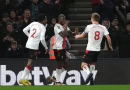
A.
pixel 80 36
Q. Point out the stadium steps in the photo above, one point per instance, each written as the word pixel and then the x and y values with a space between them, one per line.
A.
pixel 81 5
pixel 81 10
pixel 79 14
pixel 78 41
pixel 77 52
pixel 78 46
pixel 81 28
pixel 79 22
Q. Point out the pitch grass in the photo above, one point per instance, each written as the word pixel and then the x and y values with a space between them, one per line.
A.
pixel 80 87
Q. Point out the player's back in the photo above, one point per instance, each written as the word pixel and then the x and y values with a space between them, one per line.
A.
pixel 34 35
pixel 95 36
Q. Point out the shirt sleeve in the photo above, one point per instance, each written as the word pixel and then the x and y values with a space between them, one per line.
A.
pixel 105 31
pixel 57 28
pixel 42 37
pixel 26 29
pixel 86 30
pixel 68 29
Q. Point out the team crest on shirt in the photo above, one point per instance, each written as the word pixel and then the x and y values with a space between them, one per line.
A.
pixel 58 27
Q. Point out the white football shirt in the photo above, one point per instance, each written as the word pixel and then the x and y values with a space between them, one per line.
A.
pixel 59 41
pixel 36 33
pixel 95 36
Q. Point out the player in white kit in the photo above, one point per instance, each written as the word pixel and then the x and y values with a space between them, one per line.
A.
pixel 35 33
pixel 95 33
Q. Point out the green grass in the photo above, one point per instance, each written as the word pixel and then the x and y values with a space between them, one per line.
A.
pixel 81 87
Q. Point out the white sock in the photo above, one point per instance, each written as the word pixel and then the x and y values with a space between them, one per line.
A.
pixel 27 76
pixel 92 68
pixel 58 74
pixel 86 69
pixel 62 69
pixel 25 73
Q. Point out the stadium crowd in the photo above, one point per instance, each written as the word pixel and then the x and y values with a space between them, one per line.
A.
pixel 17 14
pixel 115 15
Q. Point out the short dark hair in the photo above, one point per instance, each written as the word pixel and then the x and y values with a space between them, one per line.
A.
pixel 13 42
pixel 62 15
pixel 105 19
pixel 41 17
pixel 26 10
pixel 96 17
pixel 9 23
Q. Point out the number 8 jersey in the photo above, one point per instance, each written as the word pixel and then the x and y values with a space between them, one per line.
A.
pixel 95 36
pixel 36 33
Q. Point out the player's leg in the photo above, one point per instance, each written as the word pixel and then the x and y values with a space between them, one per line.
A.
pixel 85 65
pixel 65 61
pixel 24 77
pixel 59 70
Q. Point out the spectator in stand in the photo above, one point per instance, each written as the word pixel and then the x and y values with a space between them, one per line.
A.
pixel 115 26
pixel 51 29
pixel 13 18
pixel 26 20
pixel 124 18
pixel 14 51
pixel 124 42
pixel 123 6
pixel 5 6
pixel 114 30
pixel 96 4
pixel 34 10
pixel 104 44
pixel 107 9
pixel 9 36
pixel 3 25
pixel 46 7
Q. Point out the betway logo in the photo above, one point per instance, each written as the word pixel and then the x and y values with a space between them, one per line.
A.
pixel 74 77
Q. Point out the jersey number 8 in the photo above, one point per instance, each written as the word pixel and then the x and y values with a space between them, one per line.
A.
pixel 97 35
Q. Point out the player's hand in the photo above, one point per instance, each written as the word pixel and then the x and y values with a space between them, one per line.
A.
pixel 46 51
pixel 67 22
pixel 77 36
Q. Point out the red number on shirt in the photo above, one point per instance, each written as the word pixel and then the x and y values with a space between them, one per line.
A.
pixel 97 35
pixel 34 32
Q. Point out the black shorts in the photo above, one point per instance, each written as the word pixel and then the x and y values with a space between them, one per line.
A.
pixel 91 56
pixel 32 54
pixel 60 54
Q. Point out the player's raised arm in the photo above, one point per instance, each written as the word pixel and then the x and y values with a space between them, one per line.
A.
pixel 64 33
pixel 26 29
pixel 42 37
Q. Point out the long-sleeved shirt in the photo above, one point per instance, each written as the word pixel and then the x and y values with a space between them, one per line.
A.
pixel 36 33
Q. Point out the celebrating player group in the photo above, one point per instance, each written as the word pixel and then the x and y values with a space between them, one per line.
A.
pixel 36 33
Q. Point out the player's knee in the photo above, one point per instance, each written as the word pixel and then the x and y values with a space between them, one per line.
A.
pixel 30 61
pixel 32 57
pixel 83 64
